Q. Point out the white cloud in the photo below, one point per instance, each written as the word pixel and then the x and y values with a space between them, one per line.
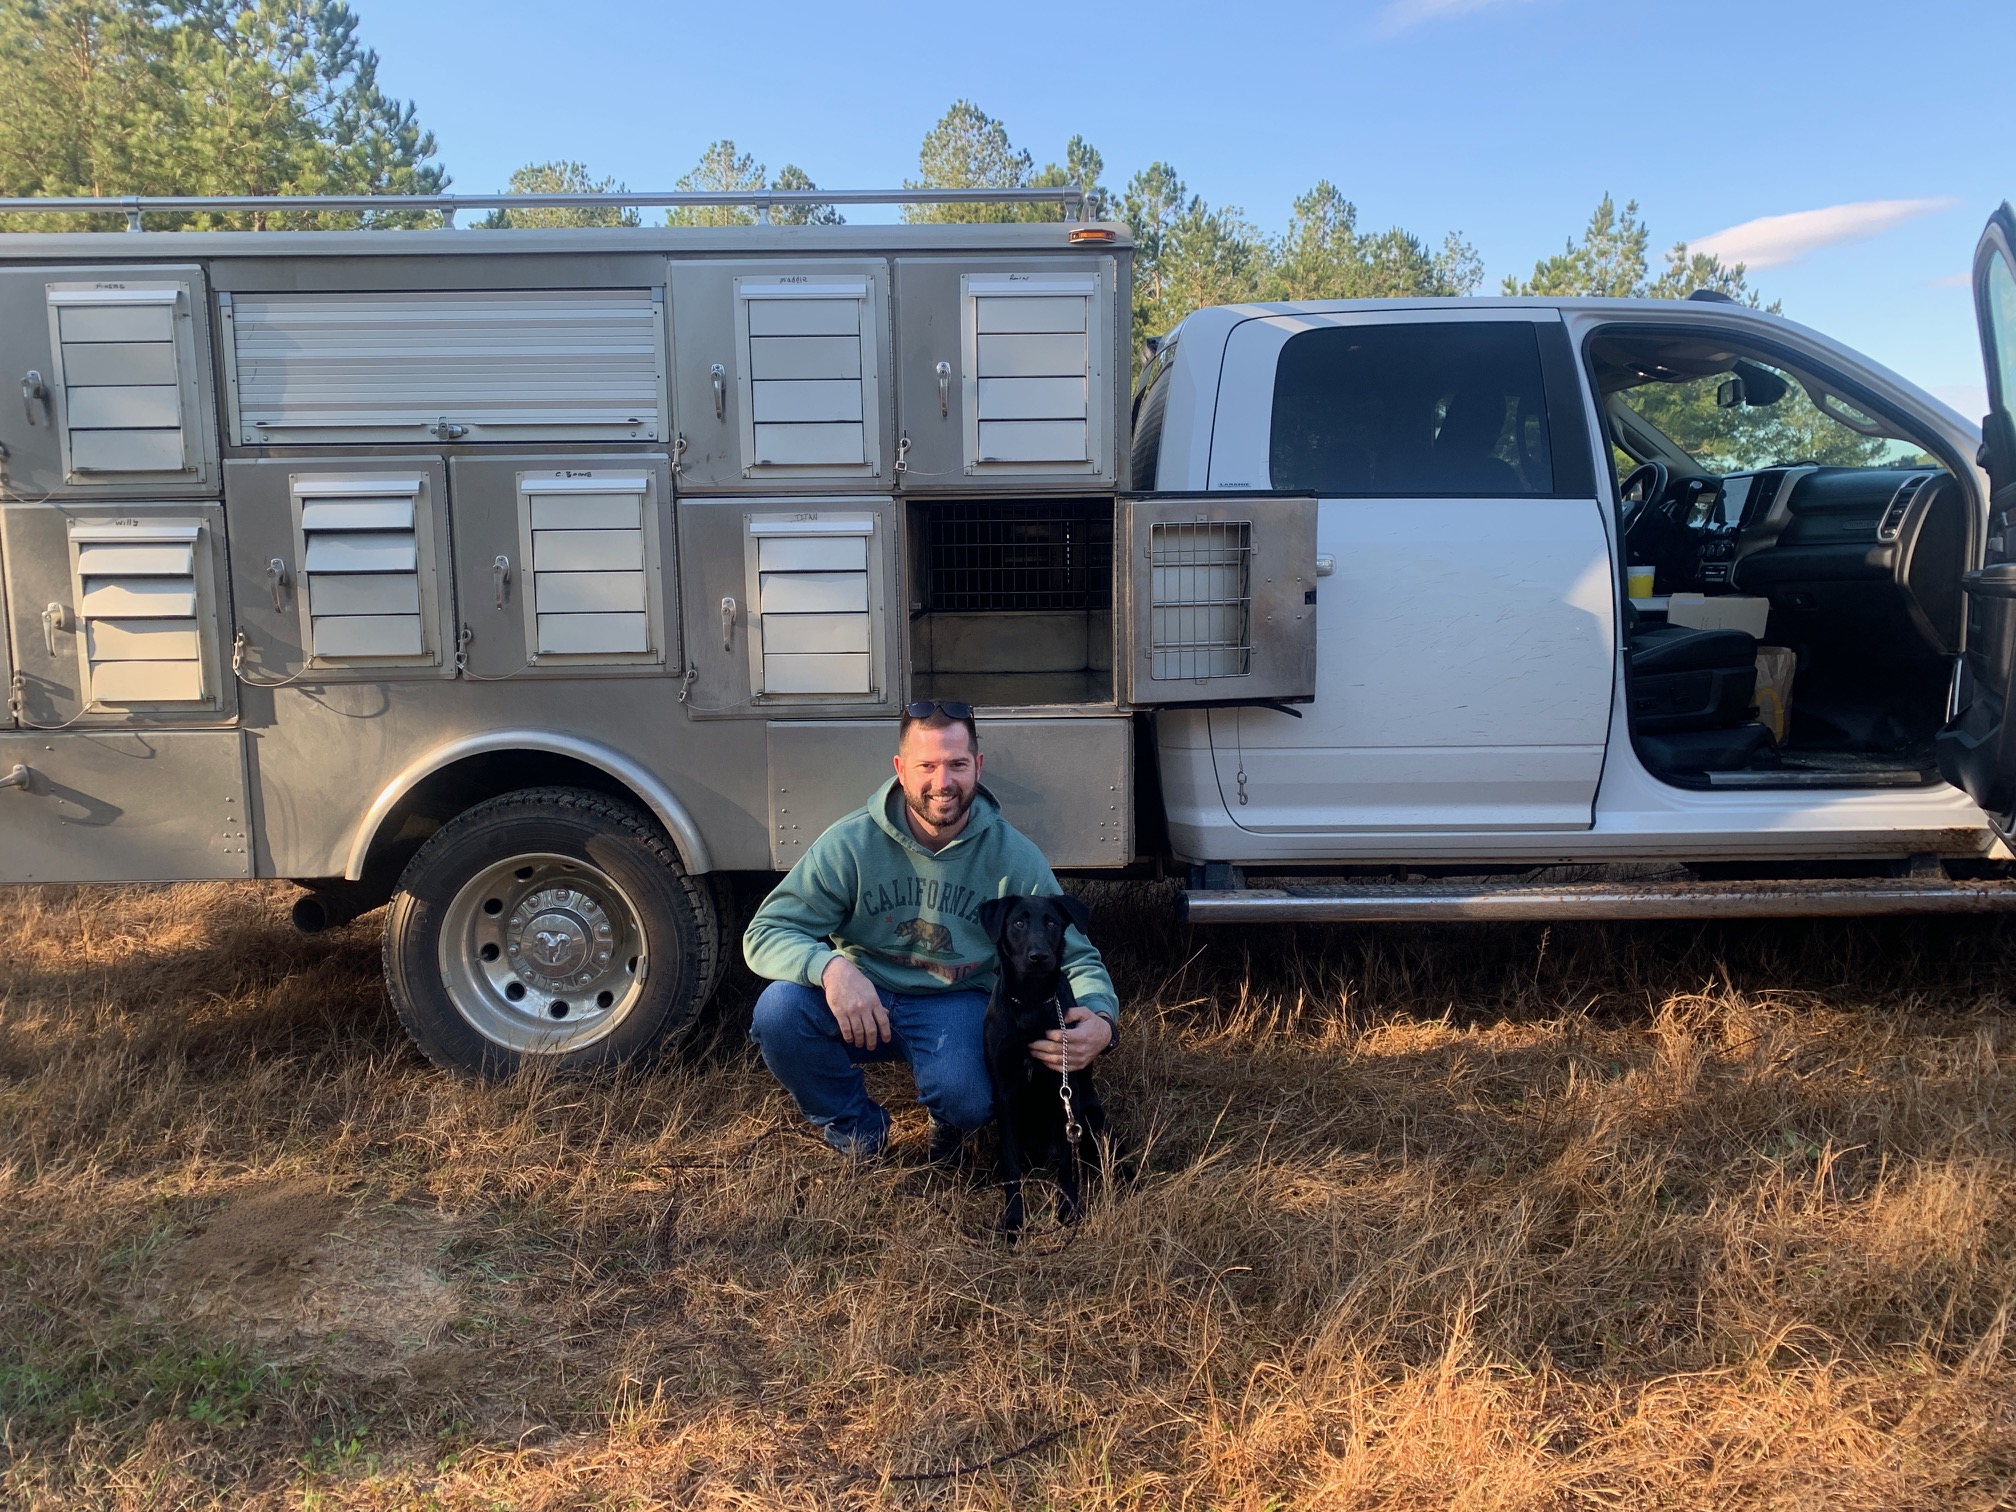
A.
pixel 1774 240
pixel 1400 15
pixel 1952 281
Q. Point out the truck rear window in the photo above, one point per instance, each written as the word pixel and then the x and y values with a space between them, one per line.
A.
pixel 1448 408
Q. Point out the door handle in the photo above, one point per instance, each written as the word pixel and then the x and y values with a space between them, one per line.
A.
pixel 500 579
pixel 276 581
pixel 34 391
pixel 17 777
pixel 728 623
pixel 1995 581
pixel 719 374
pixel 55 617
pixel 944 390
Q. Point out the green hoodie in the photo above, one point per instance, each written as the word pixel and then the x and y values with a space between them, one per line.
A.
pixel 907 916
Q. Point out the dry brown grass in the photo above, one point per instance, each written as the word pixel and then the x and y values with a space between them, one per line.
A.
pixel 1592 1217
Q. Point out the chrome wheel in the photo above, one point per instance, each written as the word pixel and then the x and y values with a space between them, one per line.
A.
pixel 542 953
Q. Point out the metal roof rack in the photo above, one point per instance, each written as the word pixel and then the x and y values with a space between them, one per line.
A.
pixel 1073 199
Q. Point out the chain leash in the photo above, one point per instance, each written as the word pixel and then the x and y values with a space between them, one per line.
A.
pixel 1071 1128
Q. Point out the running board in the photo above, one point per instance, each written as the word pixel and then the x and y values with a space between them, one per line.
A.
pixel 1413 902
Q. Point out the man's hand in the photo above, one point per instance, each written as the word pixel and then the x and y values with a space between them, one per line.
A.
pixel 857 1007
pixel 1084 1033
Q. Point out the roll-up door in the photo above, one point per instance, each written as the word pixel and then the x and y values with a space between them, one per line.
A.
pixel 812 604
pixel 365 566
pixel 590 565
pixel 143 616
pixel 476 366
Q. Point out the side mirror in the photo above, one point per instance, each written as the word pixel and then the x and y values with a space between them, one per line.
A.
pixel 1729 394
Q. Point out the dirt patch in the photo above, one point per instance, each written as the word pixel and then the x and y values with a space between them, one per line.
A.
pixel 303 1272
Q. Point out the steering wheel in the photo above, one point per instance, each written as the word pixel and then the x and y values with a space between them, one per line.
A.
pixel 1644 486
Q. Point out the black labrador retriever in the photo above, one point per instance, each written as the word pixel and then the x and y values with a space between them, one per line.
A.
pixel 1031 997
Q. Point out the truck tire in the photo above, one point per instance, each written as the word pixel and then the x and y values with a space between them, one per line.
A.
pixel 549 927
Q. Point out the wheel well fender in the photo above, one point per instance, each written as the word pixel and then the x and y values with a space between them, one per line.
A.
pixel 467 771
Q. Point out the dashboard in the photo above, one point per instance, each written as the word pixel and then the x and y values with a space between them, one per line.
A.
pixel 1856 551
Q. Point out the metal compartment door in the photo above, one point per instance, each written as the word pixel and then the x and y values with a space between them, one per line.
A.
pixel 1010 371
pixel 342 567
pixel 1977 748
pixel 781 373
pixel 562 570
pixel 109 388
pixel 1219 599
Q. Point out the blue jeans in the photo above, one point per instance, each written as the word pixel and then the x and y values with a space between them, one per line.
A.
pixel 938 1033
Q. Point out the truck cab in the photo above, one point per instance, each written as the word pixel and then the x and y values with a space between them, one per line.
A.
pixel 1486 473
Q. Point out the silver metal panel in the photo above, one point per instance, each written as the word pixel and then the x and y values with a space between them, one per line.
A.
pixel 153 321
pixel 795 672
pixel 146 682
pixel 817 632
pixel 127 406
pixel 1031 399
pixel 586 511
pixel 368 593
pixel 503 365
pixel 71 627
pixel 590 593
pixel 814 593
pixel 1033 440
pixel 1373 903
pixel 363 551
pixel 587 550
pixel 808 445
pixel 93 452
pixel 276 606
pixel 1015 340
pixel 834 553
pixel 720 541
pixel 1204 627
pixel 593 634
pixel 144 640
pixel 357 514
pixel 1029 313
pixel 114 363
pixel 1065 783
pixel 781 372
pixel 125 806
pixel 807 402
pixel 368 635
pixel 579 536
pixel 137 597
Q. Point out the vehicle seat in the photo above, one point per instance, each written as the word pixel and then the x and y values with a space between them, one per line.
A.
pixel 1463 458
pixel 1687 679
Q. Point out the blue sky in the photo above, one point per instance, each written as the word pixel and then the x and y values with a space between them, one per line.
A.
pixel 1882 128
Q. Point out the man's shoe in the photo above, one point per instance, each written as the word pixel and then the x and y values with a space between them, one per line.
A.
pixel 948 1143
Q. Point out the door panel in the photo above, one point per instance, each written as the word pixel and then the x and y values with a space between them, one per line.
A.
pixel 1463 676
pixel 108 383
pixel 1977 749
pixel 1219 596
pixel 1466 633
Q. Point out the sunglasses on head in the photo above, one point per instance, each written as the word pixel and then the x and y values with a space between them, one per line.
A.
pixel 924 708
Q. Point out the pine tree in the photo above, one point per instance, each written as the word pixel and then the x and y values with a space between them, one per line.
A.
pixel 559 178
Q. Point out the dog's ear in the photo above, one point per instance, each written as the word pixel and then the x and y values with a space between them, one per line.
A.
pixel 1077 911
pixel 993 914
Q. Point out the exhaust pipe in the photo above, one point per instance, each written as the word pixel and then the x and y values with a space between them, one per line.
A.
pixel 315 912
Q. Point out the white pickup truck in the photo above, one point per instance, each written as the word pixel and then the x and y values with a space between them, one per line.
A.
pixel 542 583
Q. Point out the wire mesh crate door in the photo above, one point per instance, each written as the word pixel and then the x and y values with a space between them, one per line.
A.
pixel 1003 557
pixel 1201 600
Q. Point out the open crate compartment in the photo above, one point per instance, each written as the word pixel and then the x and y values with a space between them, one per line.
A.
pixel 1011 601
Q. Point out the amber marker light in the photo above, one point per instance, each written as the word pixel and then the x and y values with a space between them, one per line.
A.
pixel 1091 234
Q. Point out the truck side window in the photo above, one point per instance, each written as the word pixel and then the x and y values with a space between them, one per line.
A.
pixel 1397 410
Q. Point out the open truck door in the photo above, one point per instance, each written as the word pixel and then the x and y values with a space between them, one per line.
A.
pixel 1219 599
pixel 1977 749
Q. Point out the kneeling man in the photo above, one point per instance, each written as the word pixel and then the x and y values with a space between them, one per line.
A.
pixel 895 887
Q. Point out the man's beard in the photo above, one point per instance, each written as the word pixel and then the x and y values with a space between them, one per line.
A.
pixel 921 805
